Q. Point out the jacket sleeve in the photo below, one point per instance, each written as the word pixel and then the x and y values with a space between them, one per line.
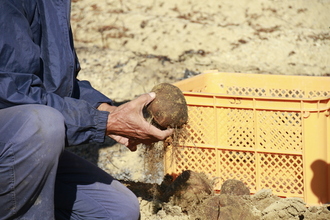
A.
pixel 21 81
pixel 84 123
pixel 91 95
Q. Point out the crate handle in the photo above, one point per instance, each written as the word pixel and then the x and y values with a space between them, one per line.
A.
pixel 235 101
pixel 306 114
pixel 327 113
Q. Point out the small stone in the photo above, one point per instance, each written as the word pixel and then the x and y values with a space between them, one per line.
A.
pixel 262 194
pixel 161 214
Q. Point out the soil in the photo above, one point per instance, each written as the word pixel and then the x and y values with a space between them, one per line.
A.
pixel 127 47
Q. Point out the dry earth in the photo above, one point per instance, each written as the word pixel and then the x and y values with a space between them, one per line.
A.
pixel 126 47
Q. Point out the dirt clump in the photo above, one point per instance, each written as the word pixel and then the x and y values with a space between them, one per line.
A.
pixel 188 189
pixel 234 201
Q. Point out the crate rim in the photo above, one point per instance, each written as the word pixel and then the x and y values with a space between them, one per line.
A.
pixel 210 94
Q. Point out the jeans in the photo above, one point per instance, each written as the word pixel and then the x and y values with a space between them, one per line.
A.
pixel 40 180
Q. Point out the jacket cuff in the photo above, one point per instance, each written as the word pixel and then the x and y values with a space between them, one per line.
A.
pixel 101 125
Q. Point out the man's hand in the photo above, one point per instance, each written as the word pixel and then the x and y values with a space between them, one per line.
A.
pixel 127 126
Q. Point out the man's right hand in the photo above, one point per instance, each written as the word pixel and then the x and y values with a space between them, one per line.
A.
pixel 127 126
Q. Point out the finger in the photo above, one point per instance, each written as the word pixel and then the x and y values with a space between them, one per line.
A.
pixel 152 96
pixel 120 139
pixel 145 99
pixel 133 143
pixel 132 147
pixel 167 132
pixel 160 134
pixel 130 144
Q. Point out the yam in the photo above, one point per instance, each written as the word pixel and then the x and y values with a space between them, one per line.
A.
pixel 169 108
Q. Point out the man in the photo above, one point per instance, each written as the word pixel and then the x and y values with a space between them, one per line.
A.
pixel 43 108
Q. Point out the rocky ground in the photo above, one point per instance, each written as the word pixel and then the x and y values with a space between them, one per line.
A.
pixel 127 47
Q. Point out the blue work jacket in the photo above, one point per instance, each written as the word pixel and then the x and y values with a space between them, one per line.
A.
pixel 38 65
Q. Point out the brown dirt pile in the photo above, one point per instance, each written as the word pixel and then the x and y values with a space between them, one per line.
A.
pixel 191 196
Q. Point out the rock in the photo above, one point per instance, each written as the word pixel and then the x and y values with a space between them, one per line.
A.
pixel 262 194
pixel 232 213
pixel 161 214
pixel 208 209
pixel 317 212
pixel 236 207
pixel 234 187
pixel 231 200
pixel 172 210
pixel 285 208
pixel 263 198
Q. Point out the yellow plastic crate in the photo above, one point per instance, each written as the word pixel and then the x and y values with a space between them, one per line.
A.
pixel 269 131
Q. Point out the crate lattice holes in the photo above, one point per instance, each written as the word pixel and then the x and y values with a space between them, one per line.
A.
pixel 269 131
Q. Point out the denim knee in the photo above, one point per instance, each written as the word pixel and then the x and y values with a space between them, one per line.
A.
pixel 127 200
pixel 40 132
pixel 32 140
pixel 134 212
pixel 47 125
pixel 100 201
pixel 49 120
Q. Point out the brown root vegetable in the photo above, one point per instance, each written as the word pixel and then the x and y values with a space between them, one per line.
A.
pixel 169 108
